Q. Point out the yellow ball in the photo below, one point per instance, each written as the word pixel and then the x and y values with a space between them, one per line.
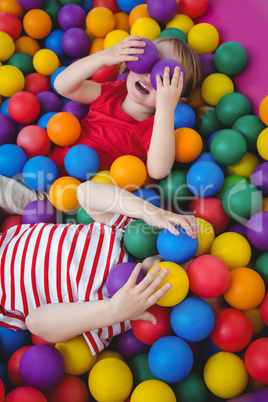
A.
pixel 62 194
pixel 215 86
pixel 7 46
pixel 263 110
pixel 106 354
pixel 233 248
pixel 205 237
pixel 110 380
pixel 245 167
pixel 100 21
pixel 146 27
pixel 114 37
pixel 103 176
pixel 182 22
pixel 225 375
pixel 262 144
pixel 255 318
pixel 180 284
pixel 77 355
pixel 129 172
pixel 153 391
pixel 204 38
pixel 45 61
pixel 11 80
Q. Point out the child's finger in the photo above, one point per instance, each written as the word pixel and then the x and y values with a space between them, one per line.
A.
pixel 175 77
pixel 166 79
pixel 148 278
pixel 156 282
pixel 159 82
pixel 155 297
pixel 146 316
pixel 134 274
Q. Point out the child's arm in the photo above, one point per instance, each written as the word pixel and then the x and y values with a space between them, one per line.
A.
pixel 59 322
pixel 161 154
pixel 73 81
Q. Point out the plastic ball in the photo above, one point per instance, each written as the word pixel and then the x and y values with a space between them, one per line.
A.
pixel 114 37
pixel 71 15
pixel 111 4
pixel 105 74
pixel 7 46
pixel 138 12
pixel 262 143
pixel 9 222
pixel 49 102
pixel 245 166
pixel 83 217
pixel 188 144
pixel 256 360
pixel 45 61
pixel 127 6
pixel 246 289
pixel 109 380
pixel 24 62
pixel 146 60
pixel 203 38
pixel 36 83
pixel 264 309
pixel 11 80
pixel 62 193
pixel 174 189
pixel 147 332
pixel 261 265
pixel 10 24
pixel 43 121
pixel 26 44
pixel 129 172
pixel 63 128
pixel 23 107
pixel 119 275
pixel 173 32
pixel 192 388
pixel 228 146
pixel 153 391
pixel 212 211
pixel 230 58
pixel 209 123
pixel 192 8
pixel 13 366
pixel 81 171
pixel 39 211
pixel 97 44
pixel 11 340
pixel 182 22
pixel 146 27
pixel 230 181
pixel 159 68
pixel 53 42
pixel 256 319
pixel 184 116
pixel 205 179
pixel 170 359
pixel 232 248
pixel 39 173
pixel 205 237
pixel 225 375
pixel 140 369
pixel 37 23
pixel 215 86
pixel 12 160
pixel 232 106
pixel 69 389
pixel 25 394
pixel 180 284
pixel 263 110
pixel 34 141
pixel 140 239
pixel 41 366
pixel 257 230
pixel 100 21
pixel 129 346
pixel 75 42
pixel 259 178
pixel 7 130
pixel 148 194
pixel 192 319
pixel 30 4
pixel 103 176
pixel 162 12
pixel 207 64
pixel 78 109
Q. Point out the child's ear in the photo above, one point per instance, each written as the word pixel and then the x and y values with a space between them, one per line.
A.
pixel 183 100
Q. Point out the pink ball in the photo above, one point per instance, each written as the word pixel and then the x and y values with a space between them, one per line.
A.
pixel 34 141
pixel 146 59
pixel 160 66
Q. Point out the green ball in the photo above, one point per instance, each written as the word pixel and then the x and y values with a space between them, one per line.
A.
pixel 250 126
pixel 69 218
pixel 52 7
pixel 230 181
pixel 230 58
pixel 140 369
pixel 261 266
pixel 23 61
pixel 228 147
pixel 83 217
pixel 241 201
pixel 140 239
pixel 192 388
pixel 209 123
pixel 174 189
pixel 232 106
pixel 173 32
pixel 64 2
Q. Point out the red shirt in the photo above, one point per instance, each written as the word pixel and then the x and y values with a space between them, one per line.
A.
pixel 110 131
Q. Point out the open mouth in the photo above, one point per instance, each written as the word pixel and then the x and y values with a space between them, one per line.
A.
pixel 142 88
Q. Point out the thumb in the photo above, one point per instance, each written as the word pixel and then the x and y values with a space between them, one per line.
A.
pixel 146 316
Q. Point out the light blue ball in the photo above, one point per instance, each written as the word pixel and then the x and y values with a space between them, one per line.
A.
pixel 205 179
pixel 12 160
pixel 127 5
pixel 39 173
pixel 184 116
pixel 53 42
pixel 43 121
pixel 81 162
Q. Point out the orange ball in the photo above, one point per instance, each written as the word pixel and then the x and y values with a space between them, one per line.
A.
pixel 37 23
pixel 129 172
pixel 96 45
pixel 138 12
pixel 62 193
pixel 121 22
pixel 246 289
pixel 265 204
pixel 100 21
pixel 195 99
pixel 63 128
pixel 263 110
pixel 26 44
pixel 188 144
pixel 11 6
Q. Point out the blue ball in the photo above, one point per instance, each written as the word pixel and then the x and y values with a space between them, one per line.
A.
pixel 12 160
pixel 53 42
pixel 205 179
pixel 208 348
pixel 178 249
pixel 211 138
pixel 11 340
pixel 207 157
pixel 170 359
pixel 43 121
pixel 192 319
pixel 127 5
pixel 148 194
pixel 184 116
pixel 4 108
pixel 54 75
pixel 39 173
pixel 73 165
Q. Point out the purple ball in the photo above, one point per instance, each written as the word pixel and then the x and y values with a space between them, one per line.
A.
pixel 129 346
pixel 79 110
pixel 159 68
pixel 39 211
pixel 7 130
pixel 259 395
pixel 122 77
pixel 30 4
pixel 207 64
pixel 259 178
pixel 146 59
pixel 238 228
pixel 72 15
pixel 75 42
pixel 42 367
pixel 119 275
pixel 162 11
pixel 49 102
pixel 257 230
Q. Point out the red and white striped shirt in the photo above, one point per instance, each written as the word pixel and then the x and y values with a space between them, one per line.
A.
pixel 46 263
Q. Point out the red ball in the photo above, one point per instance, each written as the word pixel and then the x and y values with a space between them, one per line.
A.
pixel 25 394
pixel 13 366
pixel 111 4
pixel 105 74
pixel 9 222
pixel 264 309
pixel 193 8
pixel 36 83
pixel 23 107
pixel 232 330
pixel 34 141
pixel 10 24
pixel 147 332
pixel 256 358
pixel 211 210
pixel 208 275
pixel 2 391
pixel 69 389
pixel 37 340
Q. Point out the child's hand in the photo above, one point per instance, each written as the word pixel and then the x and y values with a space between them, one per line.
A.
pixel 123 51
pixel 169 91
pixel 132 301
